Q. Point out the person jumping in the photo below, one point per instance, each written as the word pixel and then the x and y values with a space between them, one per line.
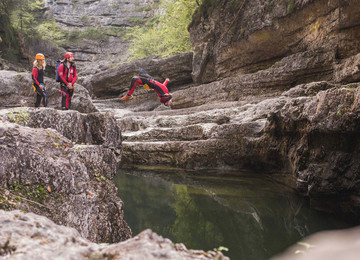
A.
pixel 149 83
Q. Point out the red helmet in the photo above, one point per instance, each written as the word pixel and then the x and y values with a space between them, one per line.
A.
pixel 68 55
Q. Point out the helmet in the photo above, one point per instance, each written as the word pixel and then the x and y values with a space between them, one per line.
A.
pixel 165 98
pixel 68 55
pixel 39 56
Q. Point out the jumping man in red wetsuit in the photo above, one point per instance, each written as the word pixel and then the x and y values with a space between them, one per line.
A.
pixel 68 76
pixel 149 83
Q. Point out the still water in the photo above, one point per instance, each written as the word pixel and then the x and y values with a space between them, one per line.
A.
pixel 252 215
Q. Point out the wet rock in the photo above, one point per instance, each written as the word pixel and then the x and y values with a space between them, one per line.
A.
pixel 49 174
pixel 309 131
pixel 317 137
pixel 27 235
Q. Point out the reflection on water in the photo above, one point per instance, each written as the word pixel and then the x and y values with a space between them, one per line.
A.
pixel 251 215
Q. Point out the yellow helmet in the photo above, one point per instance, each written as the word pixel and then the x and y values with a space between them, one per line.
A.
pixel 39 56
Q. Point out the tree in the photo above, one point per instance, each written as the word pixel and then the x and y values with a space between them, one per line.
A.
pixel 169 36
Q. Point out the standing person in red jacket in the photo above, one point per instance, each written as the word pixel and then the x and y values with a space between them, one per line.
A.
pixel 68 77
pixel 38 79
pixel 149 83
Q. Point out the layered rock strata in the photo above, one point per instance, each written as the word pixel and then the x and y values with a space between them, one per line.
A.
pixel 309 131
pixel 116 81
pixel 240 37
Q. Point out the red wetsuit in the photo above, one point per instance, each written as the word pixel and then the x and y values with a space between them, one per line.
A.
pixel 159 88
pixel 67 75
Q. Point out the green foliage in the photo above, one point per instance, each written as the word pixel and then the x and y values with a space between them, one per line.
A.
pixel 135 21
pixel 167 34
pixel 144 8
pixel 28 16
pixel 290 5
pixel 18 16
pixel 19 117
pixel 51 32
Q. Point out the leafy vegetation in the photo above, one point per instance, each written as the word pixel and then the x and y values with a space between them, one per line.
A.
pixel 165 35
pixel 20 117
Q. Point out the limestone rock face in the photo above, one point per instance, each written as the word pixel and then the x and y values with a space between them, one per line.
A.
pixel 103 12
pixel 309 131
pixel 105 23
pixel 16 90
pixel 115 81
pixel 29 236
pixel 55 174
pixel 239 37
pixel 319 138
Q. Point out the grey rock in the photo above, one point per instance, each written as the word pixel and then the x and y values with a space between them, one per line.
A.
pixel 332 245
pixel 108 21
pixel 309 131
pixel 30 236
pixel 231 39
pixel 115 81
pixel 70 183
pixel 16 90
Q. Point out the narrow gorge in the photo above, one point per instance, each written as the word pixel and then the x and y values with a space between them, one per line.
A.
pixel 271 87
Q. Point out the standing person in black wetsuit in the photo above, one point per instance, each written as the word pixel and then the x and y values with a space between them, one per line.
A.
pixel 38 80
pixel 68 76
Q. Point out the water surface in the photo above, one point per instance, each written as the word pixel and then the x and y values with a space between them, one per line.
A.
pixel 255 216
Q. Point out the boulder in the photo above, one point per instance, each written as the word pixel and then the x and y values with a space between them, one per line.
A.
pixel 331 245
pixel 116 81
pixel 64 178
pixel 16 90
pixel 317 137
pixel 30 236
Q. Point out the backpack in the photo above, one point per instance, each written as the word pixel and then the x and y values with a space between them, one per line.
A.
pixel 57 65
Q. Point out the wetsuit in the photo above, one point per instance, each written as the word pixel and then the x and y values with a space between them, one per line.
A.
pixel 38 78
pixel 67 75
pixel 159 88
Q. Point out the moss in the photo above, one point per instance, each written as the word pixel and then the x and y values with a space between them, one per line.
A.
pixel 145 8
pixel 290 6
pixel 204 10
pixel 135 20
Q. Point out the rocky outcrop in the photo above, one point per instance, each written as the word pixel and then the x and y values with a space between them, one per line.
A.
pixel 16 90
pixel 240 37
pixel 332 245
pixel 116 81
pixel 64 174
pixel 97 12
pixel 318 137
pixel 104 23
pixel 309 131
pixel 29 236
